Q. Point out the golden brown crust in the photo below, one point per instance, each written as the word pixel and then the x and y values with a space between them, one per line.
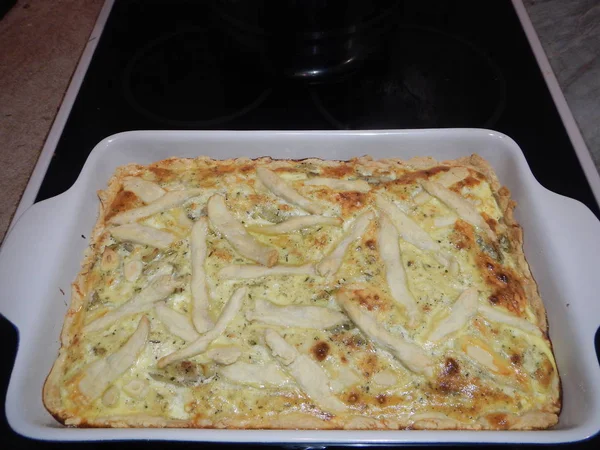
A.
pixel 515 232
pixel 113 200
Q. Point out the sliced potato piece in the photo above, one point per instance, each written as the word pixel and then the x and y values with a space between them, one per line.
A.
pixel 182 218
pixel 422 197
pixel 389 249
pixel 225 223
pixel 144 235
pixel 331 263
pixel 482 354
pixel 459 205
pixel 315 317
pixel 280 188
pixel 280 348
pixel 133 269
pixel 461 312
pixel 200 298
pixel 407 353
pixel 224 355
pixel 295 224
pixel 100 374
pixel 158 289
pixel 176 323
pixel 147 191
pixel 495 315
pixel 245 271
pixel 200 345
pixel 111 397
pixel 409 230
pixel 170 200
pixel 386 377
pixel 309 375
pixel 452 176
pixel 412 233
pixel 444 221
pixel 256 375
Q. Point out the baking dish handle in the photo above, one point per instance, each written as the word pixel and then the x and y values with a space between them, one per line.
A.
pixel 579 244
pixel 22 276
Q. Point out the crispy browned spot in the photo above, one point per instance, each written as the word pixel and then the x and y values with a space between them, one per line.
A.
pixel 414 177
pixel 353 397
pixel 479 175
pixel 209 176
pixel 124 201
pixel 221 254
pixel 320 240
pixel 544 373
pixel 451 367
pixel 290 170
pixel 371 300
pixel 475 397
pixel 383 400
pixel 449 379
pixel 516 359
pixel 205 177
pixel 92 280
pixel 369 364
pixel 187 366
pixel 338 171
pixel 498 420
pixel 247 168
pixel 320 350
pixel 257 198
pixel 162 175
pixel 468 182
pixel 507 289
pixel 223 169
pixel 99 351
pixel 343 359
pixel 492 223
pixel 350 201
pixel 351 341
pixel 463 236
pixel 77 337
pixel 371 244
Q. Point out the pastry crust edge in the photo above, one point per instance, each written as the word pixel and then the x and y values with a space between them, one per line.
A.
pixel 51 397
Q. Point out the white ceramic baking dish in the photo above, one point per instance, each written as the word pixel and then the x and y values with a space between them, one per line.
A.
pixel 41 257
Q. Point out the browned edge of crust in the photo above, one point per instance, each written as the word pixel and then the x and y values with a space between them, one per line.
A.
pixel 51 390
pixel 507 206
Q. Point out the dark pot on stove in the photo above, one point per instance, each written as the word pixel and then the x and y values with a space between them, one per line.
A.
pixel 312 40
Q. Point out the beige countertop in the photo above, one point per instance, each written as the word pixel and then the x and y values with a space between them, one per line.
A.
pixel 41 44
pixel 43 40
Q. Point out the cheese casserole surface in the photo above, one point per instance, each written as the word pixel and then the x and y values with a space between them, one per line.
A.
pixel 365 294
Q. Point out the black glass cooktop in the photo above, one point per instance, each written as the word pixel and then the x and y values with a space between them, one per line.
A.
pixel 288 65
pixel 412 64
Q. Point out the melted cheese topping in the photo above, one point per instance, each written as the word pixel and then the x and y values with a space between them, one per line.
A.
pixel 485 371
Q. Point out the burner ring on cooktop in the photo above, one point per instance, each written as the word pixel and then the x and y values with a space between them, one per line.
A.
pixel 191 79
pixel 443 82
